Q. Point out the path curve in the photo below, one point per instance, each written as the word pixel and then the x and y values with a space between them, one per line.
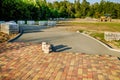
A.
pixel 68 41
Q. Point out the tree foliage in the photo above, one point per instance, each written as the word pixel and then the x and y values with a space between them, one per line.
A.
pixel 41 9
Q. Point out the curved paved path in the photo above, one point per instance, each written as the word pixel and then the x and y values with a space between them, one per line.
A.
pixel 67 41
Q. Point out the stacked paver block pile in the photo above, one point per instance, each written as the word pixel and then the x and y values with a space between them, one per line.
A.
pixel 0 24
pixel 30 22
pixel 9 27
pixel 46 48
pixel 42 23
pixel 109 36
pixel 51 23
pixel 20 22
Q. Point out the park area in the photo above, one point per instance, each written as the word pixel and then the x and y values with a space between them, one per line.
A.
pixel 81 40
pixel 26 60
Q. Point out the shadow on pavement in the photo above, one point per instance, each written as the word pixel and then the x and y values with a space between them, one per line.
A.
pixel 32 31
pixel 32 28
pixel 60 48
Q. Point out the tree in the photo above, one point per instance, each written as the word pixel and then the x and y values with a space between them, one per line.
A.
pixel 95 10
pixel 77 8
pixel 85 8
pixel 42 10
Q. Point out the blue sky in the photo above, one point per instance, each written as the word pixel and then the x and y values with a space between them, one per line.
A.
pixel 91 1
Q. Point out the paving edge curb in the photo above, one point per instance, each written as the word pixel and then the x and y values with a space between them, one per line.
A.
pixel 21 32
pixel 17 36
pixel 115 50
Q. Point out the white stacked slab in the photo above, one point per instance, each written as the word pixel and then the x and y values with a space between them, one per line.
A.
pixel 46 48
pixel 1 23
pixel 42 23
pixel 31 22
pixel 20 22
pixel 9 27
pixel 11 22
pixel 51 23
pixel 109 36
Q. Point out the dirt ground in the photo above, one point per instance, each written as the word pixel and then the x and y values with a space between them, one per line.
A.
pixel 5 37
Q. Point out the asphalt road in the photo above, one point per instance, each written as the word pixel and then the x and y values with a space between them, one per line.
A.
pixel 64 41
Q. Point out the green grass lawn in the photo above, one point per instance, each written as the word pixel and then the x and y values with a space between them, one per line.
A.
pixel 98 26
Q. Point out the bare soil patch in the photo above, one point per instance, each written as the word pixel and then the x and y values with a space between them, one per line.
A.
pixel 5 37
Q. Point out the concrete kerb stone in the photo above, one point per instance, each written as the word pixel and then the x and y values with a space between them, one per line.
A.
pixel 109 36
pixel 51 23
pixel 11 22
pixel 9 27
pixel 1 23
pixel 46 47
pixel 17 36
pixel 77 31
pixel 114 50
pixel 21 22
pixel 43 45
pixel 43 23
pixel 30 22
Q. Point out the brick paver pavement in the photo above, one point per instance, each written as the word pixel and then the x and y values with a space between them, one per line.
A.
pixel 26 61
